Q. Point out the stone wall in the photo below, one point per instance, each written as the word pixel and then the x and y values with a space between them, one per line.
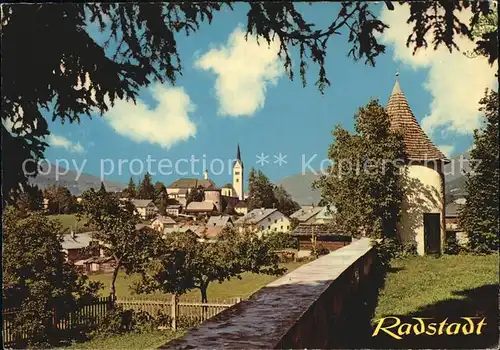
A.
pixel 323 304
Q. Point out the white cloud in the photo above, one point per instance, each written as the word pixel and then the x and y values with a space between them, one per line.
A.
pixel 455 82
pixel 446 149
pixel 165 125
pixel 63 142
pixel 244 71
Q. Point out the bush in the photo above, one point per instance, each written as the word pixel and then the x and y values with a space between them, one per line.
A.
pixel 451 244
pixel 280 240
pixel 391 248
pixel 322 250
pixel 36 278
pixel 120 321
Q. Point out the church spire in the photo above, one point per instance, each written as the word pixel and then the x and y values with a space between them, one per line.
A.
pixel 238 153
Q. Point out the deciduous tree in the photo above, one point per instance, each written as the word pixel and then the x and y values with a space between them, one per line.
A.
pixel 31 199
pixel 185 263
pixel 364 182
pixel 480 215
pixel 36 278
pixel 116 222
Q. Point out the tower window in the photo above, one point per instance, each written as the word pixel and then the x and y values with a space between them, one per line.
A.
pixel 236 173
pixel 237 180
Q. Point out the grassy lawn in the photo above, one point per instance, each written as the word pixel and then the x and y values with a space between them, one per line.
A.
pixel 228 290
pixel 69 221
pixel 439 288
pixel 149 340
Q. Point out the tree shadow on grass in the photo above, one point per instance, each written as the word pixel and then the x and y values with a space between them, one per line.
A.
pixel 477 302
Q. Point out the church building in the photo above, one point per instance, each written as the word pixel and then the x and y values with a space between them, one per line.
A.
pixel 423 215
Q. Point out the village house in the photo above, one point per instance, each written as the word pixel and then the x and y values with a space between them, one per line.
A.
pixel 241 208
pixel 423 216
pixel 265 220
pixel 96 264
pixel 323 235
pixel 173 209
pixel 145 208
pixel 453 230
pixel 325 215
pixel 220 220
pixel 77 246
pixel 160 222
pixel 306 214
pixel 200 208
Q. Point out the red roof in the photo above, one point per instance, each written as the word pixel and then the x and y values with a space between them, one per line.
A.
pixel 417 144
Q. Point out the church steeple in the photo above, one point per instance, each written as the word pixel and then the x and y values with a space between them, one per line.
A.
pixel 238 153
pixel 238 178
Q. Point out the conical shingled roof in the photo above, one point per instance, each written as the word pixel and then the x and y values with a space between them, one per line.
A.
pixel 418 146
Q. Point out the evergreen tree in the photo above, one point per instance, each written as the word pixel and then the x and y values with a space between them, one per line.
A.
pixel 130 191
pixel 146 190
pixel 479 216
pixel 366 190
pixel 196 195
pixel 31 199
pixel 103 188
pixel 284 202
pixel 60 200
pixel 160 191
pixel 260 191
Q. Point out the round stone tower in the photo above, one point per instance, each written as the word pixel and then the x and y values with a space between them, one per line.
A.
pixel 213 195
pixel 423 216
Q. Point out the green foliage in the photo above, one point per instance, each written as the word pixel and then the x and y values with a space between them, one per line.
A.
pixel 130 191
pixel 196 195
pixel 60 200
pixel 36 278
pixel 479 217
pixel 185 263
pixel 120 321
pixel 263 194
pixel 284 202
pixel 364 183
pixel 31 199
pixel 452 247
pixel 391 248
pixel 146 190
pixel 116 222
pixel 279 240
pixel 102 189
pixel 260 191
pixel 485 30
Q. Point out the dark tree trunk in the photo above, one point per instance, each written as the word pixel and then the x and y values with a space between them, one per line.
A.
pixel 113 280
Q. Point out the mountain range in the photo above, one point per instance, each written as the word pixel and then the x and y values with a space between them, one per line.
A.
pixel 299 186
pixel 76 185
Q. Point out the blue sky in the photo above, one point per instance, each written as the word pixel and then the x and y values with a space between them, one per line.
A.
pixel 246 99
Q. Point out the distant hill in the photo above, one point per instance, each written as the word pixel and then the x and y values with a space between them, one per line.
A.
pixel 299 186
pixel 85 181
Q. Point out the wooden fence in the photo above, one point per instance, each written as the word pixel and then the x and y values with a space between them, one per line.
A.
pixel 176 312
pixel 85 315
pixel 172 312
